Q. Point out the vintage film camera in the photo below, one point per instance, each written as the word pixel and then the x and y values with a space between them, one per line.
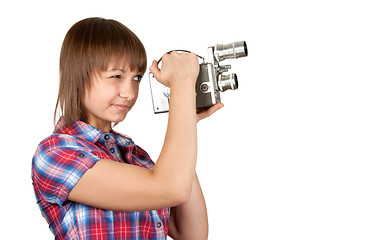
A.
pixel 211 80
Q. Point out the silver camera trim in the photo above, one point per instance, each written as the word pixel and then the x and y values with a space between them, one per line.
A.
pixel 210 74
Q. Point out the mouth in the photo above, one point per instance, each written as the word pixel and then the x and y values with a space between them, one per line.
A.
pixel 121 107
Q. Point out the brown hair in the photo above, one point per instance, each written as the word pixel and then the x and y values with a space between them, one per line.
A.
pixel 90 45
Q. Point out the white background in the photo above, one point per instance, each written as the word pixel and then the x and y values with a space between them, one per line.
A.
pixel 289 157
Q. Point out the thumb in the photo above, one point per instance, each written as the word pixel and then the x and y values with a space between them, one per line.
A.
pixel 209 111
pixel 154 69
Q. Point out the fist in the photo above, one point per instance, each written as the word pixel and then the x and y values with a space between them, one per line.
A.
pixel 177 68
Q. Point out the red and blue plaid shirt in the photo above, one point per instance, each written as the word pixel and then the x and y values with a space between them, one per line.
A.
pixel 62 159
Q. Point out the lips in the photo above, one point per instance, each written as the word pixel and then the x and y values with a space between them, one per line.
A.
pixel 120 107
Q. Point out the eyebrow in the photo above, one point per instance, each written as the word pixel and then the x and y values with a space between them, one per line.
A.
pixel 115 69
pixel 123 71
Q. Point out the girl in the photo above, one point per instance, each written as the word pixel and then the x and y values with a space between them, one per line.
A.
pixel 94 183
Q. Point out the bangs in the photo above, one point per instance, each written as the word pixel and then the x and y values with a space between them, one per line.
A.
pixel 112 42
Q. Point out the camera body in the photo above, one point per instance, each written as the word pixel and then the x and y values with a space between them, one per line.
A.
pixel 212 78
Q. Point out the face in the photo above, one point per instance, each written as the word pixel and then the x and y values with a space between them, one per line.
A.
pixel 111 95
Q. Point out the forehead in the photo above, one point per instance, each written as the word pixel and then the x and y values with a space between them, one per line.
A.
pixel 121 64
pixel 116 68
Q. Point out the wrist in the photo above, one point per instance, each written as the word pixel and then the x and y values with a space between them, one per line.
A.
pixel 185 85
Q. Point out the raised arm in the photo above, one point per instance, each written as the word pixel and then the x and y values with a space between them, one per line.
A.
pixel 123 187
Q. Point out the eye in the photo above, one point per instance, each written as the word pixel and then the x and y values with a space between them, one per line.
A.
pixel 116 76
pixel 138 78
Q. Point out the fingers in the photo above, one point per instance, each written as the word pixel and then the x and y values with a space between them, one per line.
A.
pixel 214 109
pixel 176 67
pixel 209 111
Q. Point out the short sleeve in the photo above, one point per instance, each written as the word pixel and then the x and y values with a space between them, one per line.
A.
pixel 57 170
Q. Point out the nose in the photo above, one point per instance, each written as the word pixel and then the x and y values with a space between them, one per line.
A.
pixel 127 91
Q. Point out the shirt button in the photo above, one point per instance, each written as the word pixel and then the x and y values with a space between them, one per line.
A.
pixel 112 150
pixel 158 224
pixel 81 155
pixel 107 137
pixel 127 143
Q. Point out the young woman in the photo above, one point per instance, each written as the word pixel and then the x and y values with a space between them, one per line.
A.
pixel 94 183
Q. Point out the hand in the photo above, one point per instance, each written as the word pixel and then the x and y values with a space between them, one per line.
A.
pixel 204 113
pixel 176 68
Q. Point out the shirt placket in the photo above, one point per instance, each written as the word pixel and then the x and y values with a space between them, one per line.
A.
pixel 109 143
pixel 159 225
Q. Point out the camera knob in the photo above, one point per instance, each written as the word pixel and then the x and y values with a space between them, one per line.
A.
pixel 224 68
pixel 204 87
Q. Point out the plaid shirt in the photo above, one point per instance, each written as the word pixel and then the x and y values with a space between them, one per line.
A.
pixel 62 159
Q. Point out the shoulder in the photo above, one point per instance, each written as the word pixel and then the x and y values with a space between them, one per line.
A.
pixel 62 141
pixel 59 162
pixel 62 150
pixel 61 154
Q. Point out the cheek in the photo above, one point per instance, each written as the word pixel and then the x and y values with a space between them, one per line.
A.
pixel 135 91
pixel 103 93
pixel 94 98
pixel 136 88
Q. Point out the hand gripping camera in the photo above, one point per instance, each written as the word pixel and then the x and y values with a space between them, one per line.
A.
pixel 212 78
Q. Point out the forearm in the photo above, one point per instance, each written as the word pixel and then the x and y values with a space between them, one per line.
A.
pixel 190 220
pixel 177 160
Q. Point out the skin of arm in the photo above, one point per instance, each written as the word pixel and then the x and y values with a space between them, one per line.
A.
pixel 190 220
pixel 173 182
pixel 122 187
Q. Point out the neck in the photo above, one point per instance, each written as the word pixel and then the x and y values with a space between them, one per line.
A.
pixel 101 125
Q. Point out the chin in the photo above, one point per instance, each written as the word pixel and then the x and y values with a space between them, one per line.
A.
pixel 118 119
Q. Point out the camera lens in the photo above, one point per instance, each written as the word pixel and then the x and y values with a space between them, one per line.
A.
pixel 227 82
pixel 230 50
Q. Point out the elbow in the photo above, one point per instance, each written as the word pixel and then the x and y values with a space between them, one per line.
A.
pixel 180 194
pixel 174 190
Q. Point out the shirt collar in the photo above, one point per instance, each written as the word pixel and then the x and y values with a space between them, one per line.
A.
pixel 79 129
pixel 92 134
